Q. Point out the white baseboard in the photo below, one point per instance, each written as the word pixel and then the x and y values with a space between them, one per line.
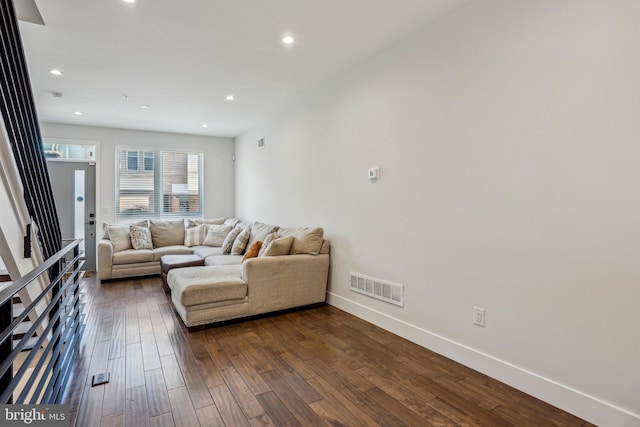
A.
pixel 568 399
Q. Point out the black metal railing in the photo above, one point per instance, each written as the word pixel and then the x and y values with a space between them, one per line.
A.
pixel 41 376
pixel 21 123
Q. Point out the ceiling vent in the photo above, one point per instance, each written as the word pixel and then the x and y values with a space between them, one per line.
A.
pixel 376 288
pixel 261 142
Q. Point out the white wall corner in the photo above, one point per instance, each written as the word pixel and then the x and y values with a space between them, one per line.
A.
pixel 568 399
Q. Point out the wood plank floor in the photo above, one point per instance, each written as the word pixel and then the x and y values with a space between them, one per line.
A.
pixel 315 367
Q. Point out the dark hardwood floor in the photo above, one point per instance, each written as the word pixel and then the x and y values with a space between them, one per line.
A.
pixel 314 367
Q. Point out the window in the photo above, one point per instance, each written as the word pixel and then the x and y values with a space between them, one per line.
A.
pixel 132 160
pixel 168 184
pixel 148 161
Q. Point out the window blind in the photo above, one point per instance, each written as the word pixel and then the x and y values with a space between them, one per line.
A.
pixel 158 184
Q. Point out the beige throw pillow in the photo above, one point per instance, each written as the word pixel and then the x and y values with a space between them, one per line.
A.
pixel 167 233
pixel 241 242
pixel 105 227
pixel 305 240
pixel 140 237
pixel 279 247
pixel 194 236
pixel 120 237
pixel 216 235
pixel 228 241
pixel 267 241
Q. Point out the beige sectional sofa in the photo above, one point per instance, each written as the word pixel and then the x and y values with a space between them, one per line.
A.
pixel 291 271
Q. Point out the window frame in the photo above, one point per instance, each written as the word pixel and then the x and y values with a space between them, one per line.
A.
pixel 128 157
pixel 157 208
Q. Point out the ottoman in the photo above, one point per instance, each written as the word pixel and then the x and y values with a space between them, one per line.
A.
pixel 203 295
pixel 169 262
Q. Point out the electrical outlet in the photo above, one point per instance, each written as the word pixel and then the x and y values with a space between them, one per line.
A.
pixel 478 316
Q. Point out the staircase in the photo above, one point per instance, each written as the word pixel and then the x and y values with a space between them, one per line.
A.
pixel 40 310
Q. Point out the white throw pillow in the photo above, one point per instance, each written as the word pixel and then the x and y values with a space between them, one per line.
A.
pixel 140 237
pixel 240 243
pixel 228 241
pixel 194 236
pixel 216 235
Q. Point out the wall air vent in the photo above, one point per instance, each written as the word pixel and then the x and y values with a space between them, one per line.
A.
pixel 376 288
pixel 261 142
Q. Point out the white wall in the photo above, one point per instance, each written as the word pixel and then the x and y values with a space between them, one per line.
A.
pixel 508 137
pixel 218 163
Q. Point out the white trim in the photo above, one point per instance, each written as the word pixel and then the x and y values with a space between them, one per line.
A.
pixel 562 396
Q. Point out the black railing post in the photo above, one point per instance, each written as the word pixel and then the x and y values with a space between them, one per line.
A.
pixel 6 316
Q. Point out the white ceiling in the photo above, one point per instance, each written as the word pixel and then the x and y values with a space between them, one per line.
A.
pixel 183 57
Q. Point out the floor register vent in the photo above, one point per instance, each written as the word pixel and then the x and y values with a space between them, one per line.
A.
pixel 376 288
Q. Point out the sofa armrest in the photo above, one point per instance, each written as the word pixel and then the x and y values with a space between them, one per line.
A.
pixel 281 282
pixel 105 259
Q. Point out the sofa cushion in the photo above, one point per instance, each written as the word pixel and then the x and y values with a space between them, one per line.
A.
pixel 202 285
pixel 253 251
pixel 120 237
pixel 167 233
pixel 260 231
pixel 223 260
pixel 105 227
pixel 194 222
pixel 305 240
pixel 195 235
pixel 228 241
pixel 279 247
pixel 216 235
pixel 171 250
pixel 241 242
pixel 132 256
pixel 205 251
pixel 231 221
pixel 140 237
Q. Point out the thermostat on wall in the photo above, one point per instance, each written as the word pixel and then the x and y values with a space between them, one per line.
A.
pixel 374 173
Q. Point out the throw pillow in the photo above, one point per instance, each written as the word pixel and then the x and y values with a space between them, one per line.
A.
pixel 140 237
pixel 120 238
pixel 228 241
pixel 279 247
pixel 216 235
pixel 194 236
pixel 267 241
pixel 305 240
pixel 260 231
pixel 253 251
pixel 241 242
pixel 105 227
pixel 167 233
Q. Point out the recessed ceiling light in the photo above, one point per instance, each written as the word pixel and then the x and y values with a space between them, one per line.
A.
pixel 56 72
pixel 205 125
pixel 129 1
pixel 230 97
pixel 78 113
pixel 288 40
pixel 145 107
